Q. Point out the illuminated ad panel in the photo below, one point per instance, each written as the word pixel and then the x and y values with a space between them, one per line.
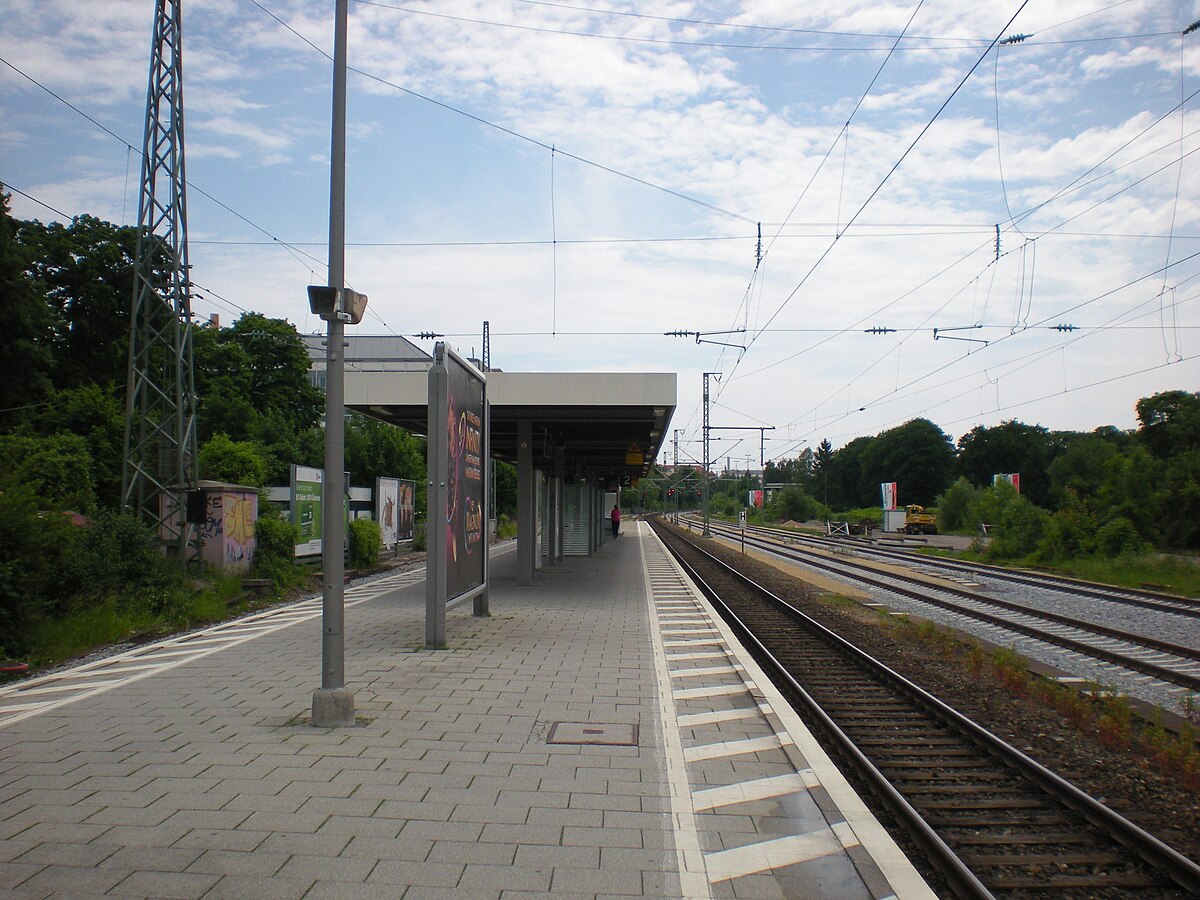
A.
pixel 457 452
pixel 465 545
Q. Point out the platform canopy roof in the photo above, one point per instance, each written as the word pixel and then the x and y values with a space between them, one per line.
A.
pixel 602 420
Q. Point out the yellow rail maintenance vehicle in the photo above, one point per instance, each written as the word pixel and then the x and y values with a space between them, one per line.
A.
pixel 917 521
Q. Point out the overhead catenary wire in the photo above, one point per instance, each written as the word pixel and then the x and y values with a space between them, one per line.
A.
pixel 510 131
pixel 829 249
pixel 764 252
pixel 726 45
pixel 895 395
pixel 836 225
pixel 1074 185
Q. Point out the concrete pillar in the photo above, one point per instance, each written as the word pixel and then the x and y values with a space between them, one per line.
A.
pixel 589 512
pixel 526 498
pixel 560 482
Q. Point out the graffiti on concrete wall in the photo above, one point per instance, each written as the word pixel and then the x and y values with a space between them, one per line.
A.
pixel 227 533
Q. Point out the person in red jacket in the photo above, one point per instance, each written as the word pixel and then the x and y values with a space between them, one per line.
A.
pixel 615 515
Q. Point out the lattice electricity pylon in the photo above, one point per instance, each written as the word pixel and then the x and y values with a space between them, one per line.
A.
pixel 160 411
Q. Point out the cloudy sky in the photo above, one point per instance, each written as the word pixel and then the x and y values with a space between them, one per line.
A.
pixel 588 177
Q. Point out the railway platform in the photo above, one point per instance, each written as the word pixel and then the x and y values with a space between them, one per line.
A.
pixel 600 735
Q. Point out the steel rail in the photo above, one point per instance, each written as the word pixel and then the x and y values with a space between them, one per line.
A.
pixel 1156 600
pixel 1184 679
pixel 1182 870
pixel 964 882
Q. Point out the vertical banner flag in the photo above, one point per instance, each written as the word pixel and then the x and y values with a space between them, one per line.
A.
pixel 1013 478
pixel 888 490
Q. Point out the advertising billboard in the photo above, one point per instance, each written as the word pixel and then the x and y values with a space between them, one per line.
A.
pixel 306 508
pixel 457 455
pixel 406 509
pixel 387 509
pixel 465 546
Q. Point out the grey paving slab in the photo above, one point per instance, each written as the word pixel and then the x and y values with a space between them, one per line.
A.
pixel 203 780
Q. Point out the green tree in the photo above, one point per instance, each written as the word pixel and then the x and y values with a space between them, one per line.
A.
pixel 1079 473
pixel 798 471
pixel 86 270
pixel 953 507
pixel 822 465
pixel 846 475
pixel 252 384
pixel 1170 422
pixel 1132 489
pixel 27 361
pixel 97 414
pixel 1019 526
pixel 917 455
pixel 795 504
pixel 1008 447
pixel 57 470
pixel 234 462
pixel 377 449
pixel 1179 507
pixel 506 490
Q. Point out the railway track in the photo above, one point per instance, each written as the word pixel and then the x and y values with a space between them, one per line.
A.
pixel 1157 601
pixel 991 820
pixel 1167 662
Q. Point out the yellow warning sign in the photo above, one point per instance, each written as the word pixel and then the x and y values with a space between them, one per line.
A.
pixel 633 456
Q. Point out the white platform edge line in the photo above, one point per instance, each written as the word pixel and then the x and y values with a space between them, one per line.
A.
pixel 693 873
pixel 725 749
pixel 899 871
pixel 758 789
pixel 725 865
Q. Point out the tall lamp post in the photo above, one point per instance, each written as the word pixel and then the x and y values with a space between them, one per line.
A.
pixel 333 702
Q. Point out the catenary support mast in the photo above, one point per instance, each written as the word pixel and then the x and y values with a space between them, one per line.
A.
pixel 160 413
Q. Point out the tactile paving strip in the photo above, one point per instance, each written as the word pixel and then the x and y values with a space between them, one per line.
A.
pixel 764 822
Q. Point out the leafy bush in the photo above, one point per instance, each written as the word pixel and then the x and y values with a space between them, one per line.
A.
pixel 1069 533
pixel 1018 530
pixel 235 462
pixel 793 503
pixel 506 527
pixel 954 505
pixel 275 551
pixel 366 540
pixel 118 553
pixel 418 541
pixel 873 514
pixel 34 552
pixel 57 469
pixel 1120 538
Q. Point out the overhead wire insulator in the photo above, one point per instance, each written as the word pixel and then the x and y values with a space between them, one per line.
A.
pixel 1065 327
pixel 1016 39
pixel 878 329
pixel 428 335
pixel 1192 27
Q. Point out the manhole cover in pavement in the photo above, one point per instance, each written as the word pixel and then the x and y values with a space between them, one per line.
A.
pixel 588 733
